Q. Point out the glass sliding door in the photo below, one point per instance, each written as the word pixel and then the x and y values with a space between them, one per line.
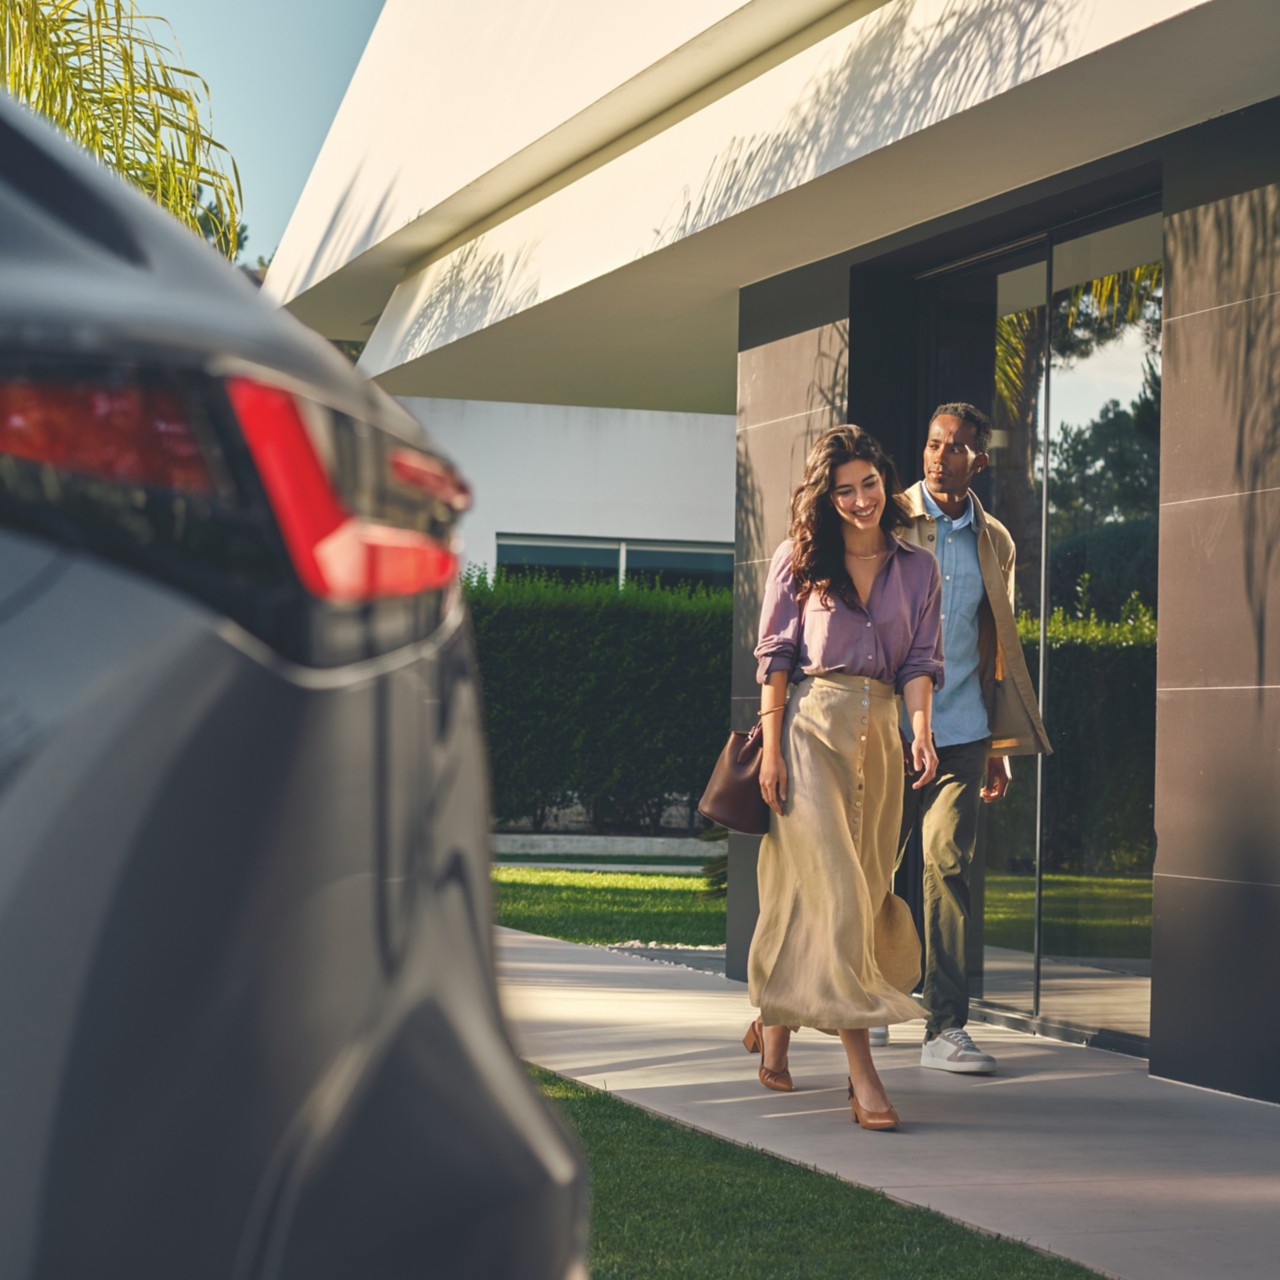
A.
pixel 1097 830
pixel 988 347
pixel 1060 343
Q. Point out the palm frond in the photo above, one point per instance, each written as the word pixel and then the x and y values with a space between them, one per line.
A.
pixel 97 70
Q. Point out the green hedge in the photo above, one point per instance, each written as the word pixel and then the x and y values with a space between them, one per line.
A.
pixel 618 698
pixel 1099 783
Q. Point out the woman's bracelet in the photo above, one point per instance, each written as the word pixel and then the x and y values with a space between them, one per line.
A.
pixel 760 715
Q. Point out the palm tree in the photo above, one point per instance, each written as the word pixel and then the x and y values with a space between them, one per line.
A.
pixel 96 70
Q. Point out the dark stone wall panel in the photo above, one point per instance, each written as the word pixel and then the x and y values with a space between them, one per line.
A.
pixel 804 373
pixel 743 905
pixel 1220 425
pixel 770 464
pixel 1220 592
pixel 791 387
pixel 747 586
pixel 1224 250
pixel 1218 784
pixel 1216 970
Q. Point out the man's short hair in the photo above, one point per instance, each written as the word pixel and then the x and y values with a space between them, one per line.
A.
pixel 978 420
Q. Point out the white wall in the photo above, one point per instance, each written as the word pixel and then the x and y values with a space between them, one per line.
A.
pixel 456 109
pixel 576 472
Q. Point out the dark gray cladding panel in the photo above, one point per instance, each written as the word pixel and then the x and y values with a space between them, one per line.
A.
pixel 1220 592
pixel 1218 784
pixel 1224 157
pixel 1216 970
pixel 1220 409
pixel 743 905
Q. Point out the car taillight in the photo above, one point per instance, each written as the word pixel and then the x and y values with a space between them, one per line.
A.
pixel 126 432
pixel 337 555
pixel 429 476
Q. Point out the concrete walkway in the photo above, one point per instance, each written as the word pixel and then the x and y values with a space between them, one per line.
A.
pixel 1073 1150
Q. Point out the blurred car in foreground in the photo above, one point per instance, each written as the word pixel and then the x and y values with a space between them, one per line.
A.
pixel 248 1020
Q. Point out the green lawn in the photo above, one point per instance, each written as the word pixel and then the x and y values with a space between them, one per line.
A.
pixel 672 1202
pixel 607 906
pixel 1083 915
pixel 620 860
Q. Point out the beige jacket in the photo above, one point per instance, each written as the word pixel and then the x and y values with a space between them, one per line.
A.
pixel 1016 728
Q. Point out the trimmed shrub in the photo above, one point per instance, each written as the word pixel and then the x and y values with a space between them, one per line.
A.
pixel 1099 784
pixel 618 698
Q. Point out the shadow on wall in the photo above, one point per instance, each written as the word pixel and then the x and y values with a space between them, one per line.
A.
pixel 747 595
pixel 352 230
pixel 475 290
pixel 905 76
pixel 901 79
pixel 826 404
pixel 1235 241
pixel 829 386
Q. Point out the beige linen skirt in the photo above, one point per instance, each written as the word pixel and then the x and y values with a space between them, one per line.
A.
pixel 833 948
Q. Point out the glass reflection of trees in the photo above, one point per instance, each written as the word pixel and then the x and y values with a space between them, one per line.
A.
pixel 1103 476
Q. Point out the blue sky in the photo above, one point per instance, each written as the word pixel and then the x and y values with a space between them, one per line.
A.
pixel 277 70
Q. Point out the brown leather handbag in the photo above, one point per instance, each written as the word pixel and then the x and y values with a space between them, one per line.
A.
pixel 732 797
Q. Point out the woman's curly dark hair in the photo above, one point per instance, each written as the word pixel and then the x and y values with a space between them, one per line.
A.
pixel 817 542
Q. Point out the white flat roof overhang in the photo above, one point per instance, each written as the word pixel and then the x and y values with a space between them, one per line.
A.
pixel 619 288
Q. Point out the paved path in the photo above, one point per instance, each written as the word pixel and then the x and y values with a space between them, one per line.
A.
pixel 1073 1150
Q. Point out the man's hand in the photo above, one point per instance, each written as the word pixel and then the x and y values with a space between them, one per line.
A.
pixel 998 778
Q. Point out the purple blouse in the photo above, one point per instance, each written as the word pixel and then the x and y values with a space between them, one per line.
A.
pixel 897 636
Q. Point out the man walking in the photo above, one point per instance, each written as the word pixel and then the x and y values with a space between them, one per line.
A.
pixel 985 711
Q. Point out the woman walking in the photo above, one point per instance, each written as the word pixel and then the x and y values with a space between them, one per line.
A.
pixel 851 620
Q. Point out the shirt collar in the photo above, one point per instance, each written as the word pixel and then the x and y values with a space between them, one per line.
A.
pixel 938 514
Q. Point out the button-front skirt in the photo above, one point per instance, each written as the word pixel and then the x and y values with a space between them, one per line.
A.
pixel 832 948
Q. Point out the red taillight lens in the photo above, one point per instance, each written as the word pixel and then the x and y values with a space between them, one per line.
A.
pixel 429 476
pixel 338 556
pixel 128 433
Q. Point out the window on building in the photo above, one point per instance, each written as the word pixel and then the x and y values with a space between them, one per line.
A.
pixel 673 564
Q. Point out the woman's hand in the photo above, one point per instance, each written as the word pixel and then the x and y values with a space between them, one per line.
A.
pixel 773 779
pixel 924 760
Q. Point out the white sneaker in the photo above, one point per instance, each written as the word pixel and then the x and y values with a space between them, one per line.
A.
pixel 879 1037
pixel 953 1050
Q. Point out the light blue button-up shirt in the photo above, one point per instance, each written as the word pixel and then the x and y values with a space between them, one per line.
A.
pixel 959 714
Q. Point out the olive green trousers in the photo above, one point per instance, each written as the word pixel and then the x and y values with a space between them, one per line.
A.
pixel 946 812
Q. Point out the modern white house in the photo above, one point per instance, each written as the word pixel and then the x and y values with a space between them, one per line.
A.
pixel 626 260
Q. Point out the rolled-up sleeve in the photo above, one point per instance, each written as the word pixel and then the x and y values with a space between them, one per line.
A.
pixel 779 618
pixel 924 658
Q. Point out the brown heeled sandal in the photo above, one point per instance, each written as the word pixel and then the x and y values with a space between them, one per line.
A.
pixel 871 1119
pixel 753 1042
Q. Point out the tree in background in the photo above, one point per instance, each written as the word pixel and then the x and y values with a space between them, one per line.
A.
pixel 97 71
pixel 1108 470
pixel 209 224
